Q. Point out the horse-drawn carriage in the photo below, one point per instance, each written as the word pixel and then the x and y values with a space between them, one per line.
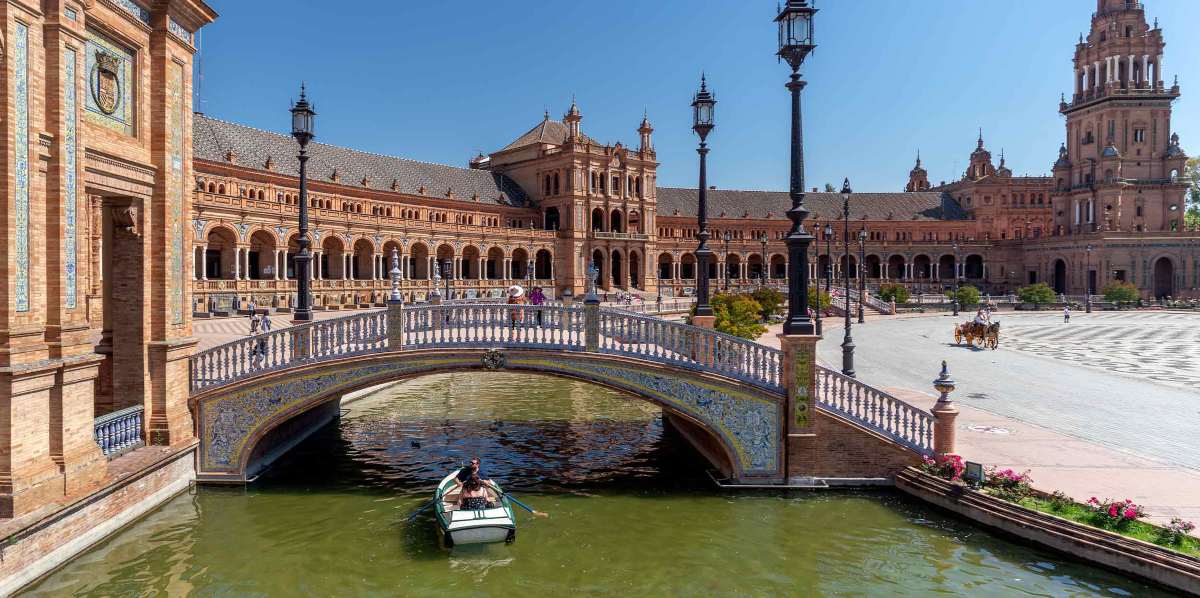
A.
pixel 988 335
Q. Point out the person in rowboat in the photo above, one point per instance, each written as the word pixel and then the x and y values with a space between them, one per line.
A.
pixel 464 474
pixel 474 495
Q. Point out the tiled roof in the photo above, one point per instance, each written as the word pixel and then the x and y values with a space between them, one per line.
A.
pixel 547 131
pixel 822 206
pixel 213 139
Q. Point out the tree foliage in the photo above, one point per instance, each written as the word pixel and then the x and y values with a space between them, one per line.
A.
pixel 738 315
pixel 893 292
pixel 770 300
pixel 967 295
pixel 1121 292
pixel 826 300
pixel 1037 294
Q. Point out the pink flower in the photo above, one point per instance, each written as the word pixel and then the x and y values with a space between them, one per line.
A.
pixel 1130 513
pixel 1112 511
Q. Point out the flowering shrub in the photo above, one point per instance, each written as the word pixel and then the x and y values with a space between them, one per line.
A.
pixel 1175 531
pixel 946 466
pixel 1114 513
pixel 1008 484
pixel 1059 501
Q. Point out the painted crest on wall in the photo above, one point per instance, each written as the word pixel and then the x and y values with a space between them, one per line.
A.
pixel 105 82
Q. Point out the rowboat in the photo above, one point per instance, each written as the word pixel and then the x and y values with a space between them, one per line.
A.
pixel 461 527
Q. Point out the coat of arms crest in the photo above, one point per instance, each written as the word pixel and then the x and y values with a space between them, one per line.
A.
pixel 106 83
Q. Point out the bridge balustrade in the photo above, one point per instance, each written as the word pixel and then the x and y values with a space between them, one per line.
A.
pixel 288 347
pixel 558 327
pixel 875 409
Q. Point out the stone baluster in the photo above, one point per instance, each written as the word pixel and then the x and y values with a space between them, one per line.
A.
pixel 944 413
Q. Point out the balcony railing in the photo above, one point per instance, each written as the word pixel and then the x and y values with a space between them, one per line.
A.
pixel 120 431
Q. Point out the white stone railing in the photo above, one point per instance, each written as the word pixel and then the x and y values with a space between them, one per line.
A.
pixel 875 410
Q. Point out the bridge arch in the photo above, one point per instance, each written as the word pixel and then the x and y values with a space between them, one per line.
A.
pixel 735 426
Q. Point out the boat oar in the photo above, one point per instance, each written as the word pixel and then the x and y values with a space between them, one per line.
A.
pixel 532 511
pixel 428 504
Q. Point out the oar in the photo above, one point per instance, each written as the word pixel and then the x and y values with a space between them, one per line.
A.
pixel 531 510
pixel 428 504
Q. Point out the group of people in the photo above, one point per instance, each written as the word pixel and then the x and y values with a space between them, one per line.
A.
pixel 258 324
pixel 474 488
pixel 516 296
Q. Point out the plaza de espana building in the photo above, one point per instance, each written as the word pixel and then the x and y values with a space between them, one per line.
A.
pixel 127 215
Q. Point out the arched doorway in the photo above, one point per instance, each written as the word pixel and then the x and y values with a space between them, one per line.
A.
pixel 666 266
pixel 896 269
pixel 597 219
pixel 635 270
pixel 551 219
pixel 599 263
pixel 542 260
pixel 618 274
pixel 1060 276
pixel 616 224
pixel 1164 278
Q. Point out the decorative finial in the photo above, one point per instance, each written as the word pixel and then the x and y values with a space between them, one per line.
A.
pixel 918 157
pixel 702 81
pixel 980 137
pixel 301 90
pixel 1156 22
pixel 546 114
pixel 1001 157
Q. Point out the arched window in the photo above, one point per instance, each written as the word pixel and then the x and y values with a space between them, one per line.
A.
pixel 556 183
pixel 212 188
pixel 638 182
pixel 547 185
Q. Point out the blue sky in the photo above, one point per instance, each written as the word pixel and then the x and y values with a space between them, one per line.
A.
pixel 440 81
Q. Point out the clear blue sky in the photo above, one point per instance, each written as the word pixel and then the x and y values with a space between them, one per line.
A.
pixel 439 81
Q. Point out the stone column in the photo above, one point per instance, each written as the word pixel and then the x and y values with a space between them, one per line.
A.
pixel 944 413
pixel 237 263
pixel 279 271
pixel 800 426
pixel 204 262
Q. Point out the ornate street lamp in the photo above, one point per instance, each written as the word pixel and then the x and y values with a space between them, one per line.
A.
pixel 303 118
pixel 847 341
pixel 955 278
pixel 795 42
pixel 703 107
pixel 862 286
pixel 725 274
pixel 828 260
pixel 1087 280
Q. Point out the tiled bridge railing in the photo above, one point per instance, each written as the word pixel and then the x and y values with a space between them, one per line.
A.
pixel 557 327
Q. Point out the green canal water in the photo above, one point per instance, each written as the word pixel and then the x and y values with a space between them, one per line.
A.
pixel 632 513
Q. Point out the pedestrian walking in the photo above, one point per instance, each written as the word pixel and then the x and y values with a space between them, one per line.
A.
pixel 1066 314
pixel 253 323
pixel 266 323
pixel 516 298
pixel 536 298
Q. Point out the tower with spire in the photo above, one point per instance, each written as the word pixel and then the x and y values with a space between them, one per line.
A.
pixel 645 131
pixel 918 179
pixel 1115 171
pixel 981 162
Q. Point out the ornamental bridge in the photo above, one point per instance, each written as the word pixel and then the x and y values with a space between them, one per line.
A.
pixel 759 415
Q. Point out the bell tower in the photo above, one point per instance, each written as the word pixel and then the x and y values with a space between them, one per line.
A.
pixel 1121 161
pixel 918 179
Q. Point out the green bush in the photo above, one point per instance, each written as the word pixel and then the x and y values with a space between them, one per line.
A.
pixel 738 315
pixel 967 296
pixel 893 292
pixel 826 300
pixel 770 300
pixel 1037 294
pixel 1121 292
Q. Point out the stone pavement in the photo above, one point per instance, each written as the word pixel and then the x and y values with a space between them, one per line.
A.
pixel 1058 458
pixel 218 331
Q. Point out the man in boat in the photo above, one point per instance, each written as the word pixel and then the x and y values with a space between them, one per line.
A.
pixel 472 468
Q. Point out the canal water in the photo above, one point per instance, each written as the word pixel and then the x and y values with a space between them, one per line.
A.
pixel 632 513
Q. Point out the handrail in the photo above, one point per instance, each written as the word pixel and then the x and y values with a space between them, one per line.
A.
pixel 492 324
pixel 691 347
pixel 305 343
pixel 120 431
pixel 875 410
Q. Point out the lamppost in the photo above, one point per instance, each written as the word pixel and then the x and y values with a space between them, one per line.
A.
pixel 862 283
pixel 955 302
pixel 1087 280
pixel 847 342
pixel 703 107
pixel 828 259
pixel 725 274
pixel 303 118
pixel 795 42
pixel 762 272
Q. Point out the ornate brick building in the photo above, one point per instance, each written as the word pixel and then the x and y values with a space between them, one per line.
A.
pixel 544 206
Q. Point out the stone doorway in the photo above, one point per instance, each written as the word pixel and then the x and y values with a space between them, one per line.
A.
pixel 1164 278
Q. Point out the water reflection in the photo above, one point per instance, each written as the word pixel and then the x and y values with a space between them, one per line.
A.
pixel 632 513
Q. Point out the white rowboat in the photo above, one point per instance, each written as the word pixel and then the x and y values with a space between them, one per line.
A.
pixel 472 527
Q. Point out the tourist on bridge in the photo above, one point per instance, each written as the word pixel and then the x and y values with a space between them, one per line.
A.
pixel 536 298
pixel 253 323
pixel 516 296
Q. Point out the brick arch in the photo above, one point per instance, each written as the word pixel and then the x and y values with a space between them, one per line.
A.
pixel 737 427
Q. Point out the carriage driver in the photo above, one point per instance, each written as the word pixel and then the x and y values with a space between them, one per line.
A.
pixel 982 317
